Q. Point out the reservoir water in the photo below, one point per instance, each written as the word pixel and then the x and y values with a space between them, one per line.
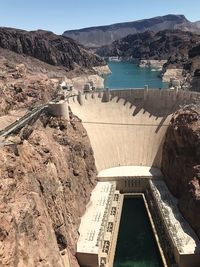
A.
pixel 129 75
pixel 136 246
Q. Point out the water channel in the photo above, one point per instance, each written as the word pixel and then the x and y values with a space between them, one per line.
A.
pixel 136 245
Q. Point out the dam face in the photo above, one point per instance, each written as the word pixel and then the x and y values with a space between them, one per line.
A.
pixel 127 131
pixel 127 127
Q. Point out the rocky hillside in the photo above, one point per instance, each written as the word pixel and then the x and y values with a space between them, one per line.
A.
pixel 151 45
pixel 48 47
pixel 105 35
pixel 46 180
pixel 181 163
pixel 179 51
pixel 189 65
pixel 26 81
pixel 193 67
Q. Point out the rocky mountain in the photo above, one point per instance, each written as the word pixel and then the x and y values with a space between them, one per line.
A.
pixel 33 63
pixel 105 35
pixel 48 47
pixel 47 176
pixel 26 81
pixel 177 50
pixel 151 45
pixel 193 67
pixel 189 26
pixel 181 163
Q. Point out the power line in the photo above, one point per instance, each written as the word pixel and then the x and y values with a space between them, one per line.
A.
pixel 124 124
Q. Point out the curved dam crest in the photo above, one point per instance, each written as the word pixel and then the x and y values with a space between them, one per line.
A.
pixel 127 127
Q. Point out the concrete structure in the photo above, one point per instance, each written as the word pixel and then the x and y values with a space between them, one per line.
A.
pixel 99 227
pixel 59 109
pixel 127 130
pixel 128 127
pixel 185 243
pixel 175 83
pixel 130 179
pixel 30 116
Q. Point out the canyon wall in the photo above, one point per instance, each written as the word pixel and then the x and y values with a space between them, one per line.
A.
pixel 181 163
pixel 46 179
pixel 48 47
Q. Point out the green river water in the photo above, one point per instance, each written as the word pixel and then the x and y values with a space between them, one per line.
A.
pixel 136 246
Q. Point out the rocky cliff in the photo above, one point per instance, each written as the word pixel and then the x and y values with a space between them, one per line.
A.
pixel 48 47
pixel 174 44
pixel 192 68
pixel 105 35
pixel 179 50
pixel 181 163
pixel 26 81
pixel 187 67
pixel 46 179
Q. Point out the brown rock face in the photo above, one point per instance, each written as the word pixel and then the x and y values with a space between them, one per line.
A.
pixel 45 185
pixel 48 47
pixel 181 163
pixel 25 81
pixel 168 44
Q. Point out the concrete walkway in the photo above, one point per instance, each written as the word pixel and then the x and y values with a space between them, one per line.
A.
pixel 130 171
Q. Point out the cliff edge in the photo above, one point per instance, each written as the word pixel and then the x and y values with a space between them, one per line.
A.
pixel 47 176
pixel 48 47
pixel 181 163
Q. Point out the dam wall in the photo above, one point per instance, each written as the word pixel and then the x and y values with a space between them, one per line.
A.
pixel 127 127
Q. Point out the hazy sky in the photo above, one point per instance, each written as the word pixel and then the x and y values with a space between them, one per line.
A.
pixel 61 15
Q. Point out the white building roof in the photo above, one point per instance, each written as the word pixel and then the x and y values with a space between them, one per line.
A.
pixel 130 171
pixel 93 219
pixel 180 231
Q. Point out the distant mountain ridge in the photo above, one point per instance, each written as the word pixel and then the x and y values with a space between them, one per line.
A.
pixel 48 47
pixel 105 35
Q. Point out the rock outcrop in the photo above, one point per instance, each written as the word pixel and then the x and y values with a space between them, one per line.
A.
pixel 181 163
pixel 152 63
pixel 46 181
pixel 102 70
pixel 48 47
pixel 105 35
pixel 178 50
pixel 173 44
pixel 174 73
pixel 192 68
pixel 26 81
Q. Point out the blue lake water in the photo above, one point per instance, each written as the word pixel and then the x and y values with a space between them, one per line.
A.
pixel 129 75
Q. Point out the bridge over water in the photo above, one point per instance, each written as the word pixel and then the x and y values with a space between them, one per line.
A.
pixel 127 127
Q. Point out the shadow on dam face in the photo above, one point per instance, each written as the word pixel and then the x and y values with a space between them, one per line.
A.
pixel 127 127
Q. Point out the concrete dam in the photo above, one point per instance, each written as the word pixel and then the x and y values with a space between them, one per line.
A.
pixel 127 127
pixel 127 130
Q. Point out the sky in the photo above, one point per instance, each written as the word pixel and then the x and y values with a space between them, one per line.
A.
pixel 61 15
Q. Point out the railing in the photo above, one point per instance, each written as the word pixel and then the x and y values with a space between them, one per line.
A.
pixel 18 124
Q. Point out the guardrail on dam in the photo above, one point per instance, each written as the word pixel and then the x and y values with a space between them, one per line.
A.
pixel 127 127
